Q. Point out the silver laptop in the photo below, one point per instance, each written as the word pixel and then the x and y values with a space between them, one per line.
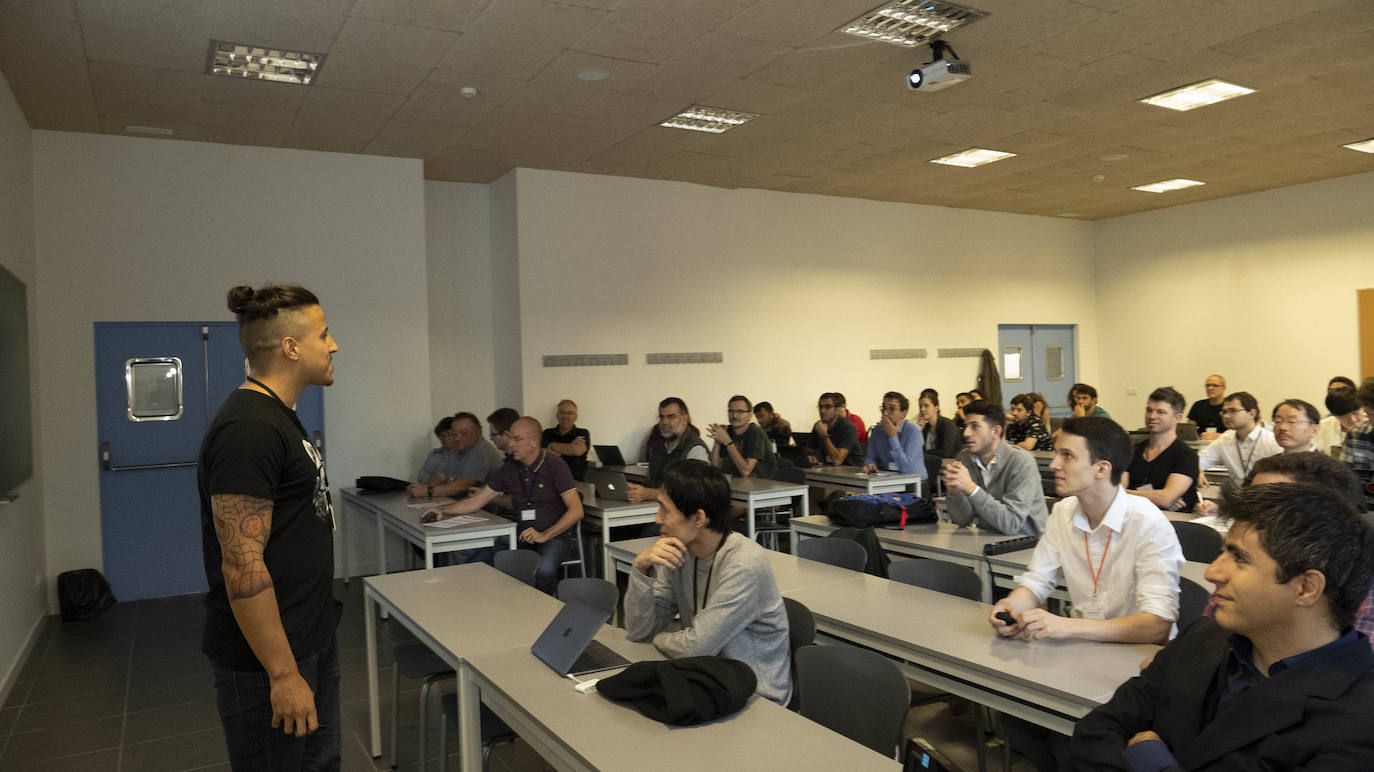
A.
pixel 567 647
pixel 610 486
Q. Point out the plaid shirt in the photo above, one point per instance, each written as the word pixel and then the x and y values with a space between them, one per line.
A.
pixel 1364 618
pixel 1358 451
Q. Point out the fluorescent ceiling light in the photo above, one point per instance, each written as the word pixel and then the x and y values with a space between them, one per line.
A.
pixel 709 119
pixel 910 23
pixel 242 61
pixel 1167 185
pixel 1207 92
pixel 974 156
pixel 1367 146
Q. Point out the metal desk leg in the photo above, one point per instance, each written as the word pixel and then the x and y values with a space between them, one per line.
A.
pixel 606 548
pixel 374 712
pixel 429 554
pixel 749 502
pixel 469 721
pixel 804 503
pixel 381 550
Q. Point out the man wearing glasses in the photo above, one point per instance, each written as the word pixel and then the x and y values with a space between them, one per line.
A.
pixel 674 439
pixel 741 448
pixel 1295 425
pixel 895 444
pixel 1243 443
pixel 1206 413
pixel 460 463
pixel 834 442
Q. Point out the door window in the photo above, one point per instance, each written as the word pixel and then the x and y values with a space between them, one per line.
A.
pixel 154 388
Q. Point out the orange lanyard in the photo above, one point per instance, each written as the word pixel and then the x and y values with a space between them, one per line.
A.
pixel 1100 563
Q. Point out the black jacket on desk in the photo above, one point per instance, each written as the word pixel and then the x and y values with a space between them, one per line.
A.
pixel 1313 716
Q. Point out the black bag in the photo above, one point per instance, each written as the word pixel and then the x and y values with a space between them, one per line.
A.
pixel 83 594
pixel 682 692
pixel 878 561
pixel 375 484
pixel 866 511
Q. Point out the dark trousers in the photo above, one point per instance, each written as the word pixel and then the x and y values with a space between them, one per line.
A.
pixel 1045 748
pixel 245 710
pixel 552 553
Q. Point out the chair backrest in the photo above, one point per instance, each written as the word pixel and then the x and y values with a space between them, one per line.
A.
pixel 859 693
pixel 521 564
pixel 599 593
pixel 787 471
pixel 938 575
pixel 837 552
pixel 801 626
pixel 1192 601
pixel 1201 543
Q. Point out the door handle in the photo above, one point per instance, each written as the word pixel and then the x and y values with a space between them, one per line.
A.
pixel 108 466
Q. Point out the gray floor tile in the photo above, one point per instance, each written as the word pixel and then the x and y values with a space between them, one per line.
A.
pixel 26 749
pixel 170 669
pixel 7 718
pixel 146 696
pixel 99 761
pixel 19 694
pixel 170 721
pixel 187 751
pixel 78 684
pixel 72 710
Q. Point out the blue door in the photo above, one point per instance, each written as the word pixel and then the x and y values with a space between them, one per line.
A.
pixel 158 384
pixel 1038 358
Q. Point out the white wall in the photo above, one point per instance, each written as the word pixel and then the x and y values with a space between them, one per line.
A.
pixel 793 289
pixel 22 597
pixel 458 243
pixel 1260 288
pixel 133 229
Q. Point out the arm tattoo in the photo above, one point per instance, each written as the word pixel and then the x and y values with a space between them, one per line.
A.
pixel 243 524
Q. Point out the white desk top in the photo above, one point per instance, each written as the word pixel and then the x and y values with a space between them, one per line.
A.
pixel 395 507
pixel 756 485
pixel 857 476
pixel 942 628
pixel 935 537
pixel 444 602
pixel 605 735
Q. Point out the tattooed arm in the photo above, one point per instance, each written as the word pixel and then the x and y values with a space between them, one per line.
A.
pixel 243 525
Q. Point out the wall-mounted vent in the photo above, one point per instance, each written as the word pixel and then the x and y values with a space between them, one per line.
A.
pixel 897 353
pixel 585 360
pixel 955 353
pixel 685 358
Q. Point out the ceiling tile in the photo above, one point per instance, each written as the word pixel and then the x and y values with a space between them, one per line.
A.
pixel 243 125
pixel 312 25
pixel 383 58
pixel 305 138
pixel 707 64
pixel 517 38
pixel 125 32
pixel 412 140
pixel 794 22
pixel 456 15
pixel 45 65
pixel 468 166
pixel 64 10
pixel 558 88
pixel 756 96
pixel 251 93
pixel 439 98
pixel 120 88
pixel 656 30
pixel 352 114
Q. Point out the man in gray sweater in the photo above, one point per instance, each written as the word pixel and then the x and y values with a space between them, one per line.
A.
pixel 718 582
pixel 992 483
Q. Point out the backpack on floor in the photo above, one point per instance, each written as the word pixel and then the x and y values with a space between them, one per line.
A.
pixel 83 594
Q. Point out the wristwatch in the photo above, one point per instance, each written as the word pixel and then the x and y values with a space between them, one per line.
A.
pixel 431 492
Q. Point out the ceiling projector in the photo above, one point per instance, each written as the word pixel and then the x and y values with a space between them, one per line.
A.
pixel 941 73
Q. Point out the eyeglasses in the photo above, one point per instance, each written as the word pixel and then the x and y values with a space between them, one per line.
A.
pixel 1291 421
pixel 1233 410
pixel 825 406
pixel 669 416
pixel 737 412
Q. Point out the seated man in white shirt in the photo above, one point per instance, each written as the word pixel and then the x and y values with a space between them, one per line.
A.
pixel 1119 556
pixel 1295 425
pixel 1242 444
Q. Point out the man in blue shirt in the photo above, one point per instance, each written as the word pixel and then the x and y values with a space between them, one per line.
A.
pixel 1278 679
pixel 894 445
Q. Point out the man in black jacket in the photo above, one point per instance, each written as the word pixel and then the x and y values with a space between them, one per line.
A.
pixel 1278 679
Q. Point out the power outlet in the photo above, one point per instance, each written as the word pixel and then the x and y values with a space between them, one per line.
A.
pixel 1131 391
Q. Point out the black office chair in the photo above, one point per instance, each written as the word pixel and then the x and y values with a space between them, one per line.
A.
pixel 598 593
pixel 859 693
pixel 837 552
pixel 938 575
pixel 801 631
pixel 1201 544
pixel 1192 601
pixel 517 563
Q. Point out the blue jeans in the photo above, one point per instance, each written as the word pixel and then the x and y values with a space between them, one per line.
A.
pixel 245 710
pixel 552 553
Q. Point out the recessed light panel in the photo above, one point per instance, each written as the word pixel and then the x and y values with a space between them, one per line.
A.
pixel 909 23
pixel 974 156
pixel 1207 92
pixel 1167 185
pixel 709 119
pixel 1367 146
pixel 237 60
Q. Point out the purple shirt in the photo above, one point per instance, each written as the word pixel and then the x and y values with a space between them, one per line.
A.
pixel 540 485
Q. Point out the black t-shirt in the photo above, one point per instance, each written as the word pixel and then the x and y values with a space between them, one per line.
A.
pixel 843 435
pixel 1178 457
pixel 1206 416
pixel 254 448
pixel 576 464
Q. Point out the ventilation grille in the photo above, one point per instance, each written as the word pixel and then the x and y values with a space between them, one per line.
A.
pixel 586 360
pixel 685 358
pixel 955 353
pixel 897 353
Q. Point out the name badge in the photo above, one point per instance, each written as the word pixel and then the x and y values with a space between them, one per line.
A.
pixel 1090 608
pixel 892 466
pixel 526 514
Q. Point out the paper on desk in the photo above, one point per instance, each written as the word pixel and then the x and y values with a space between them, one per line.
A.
pixel 454 522
pixel 427 503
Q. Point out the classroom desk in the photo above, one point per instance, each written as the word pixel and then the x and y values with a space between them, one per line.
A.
pixel 755 493
pixel 947 642
pixel 789 571
pixel 855 480
pixel 612 514
pixel 589 732
pixel 457 611
pixel 943 541
pixel 391 513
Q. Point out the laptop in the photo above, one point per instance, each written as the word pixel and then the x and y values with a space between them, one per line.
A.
pixel 610 486
pixel 609 455
pixel 566 645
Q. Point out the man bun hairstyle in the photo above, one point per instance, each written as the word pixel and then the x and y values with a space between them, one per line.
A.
pixel 1106 440
pixel 694 485
pixel 261 322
